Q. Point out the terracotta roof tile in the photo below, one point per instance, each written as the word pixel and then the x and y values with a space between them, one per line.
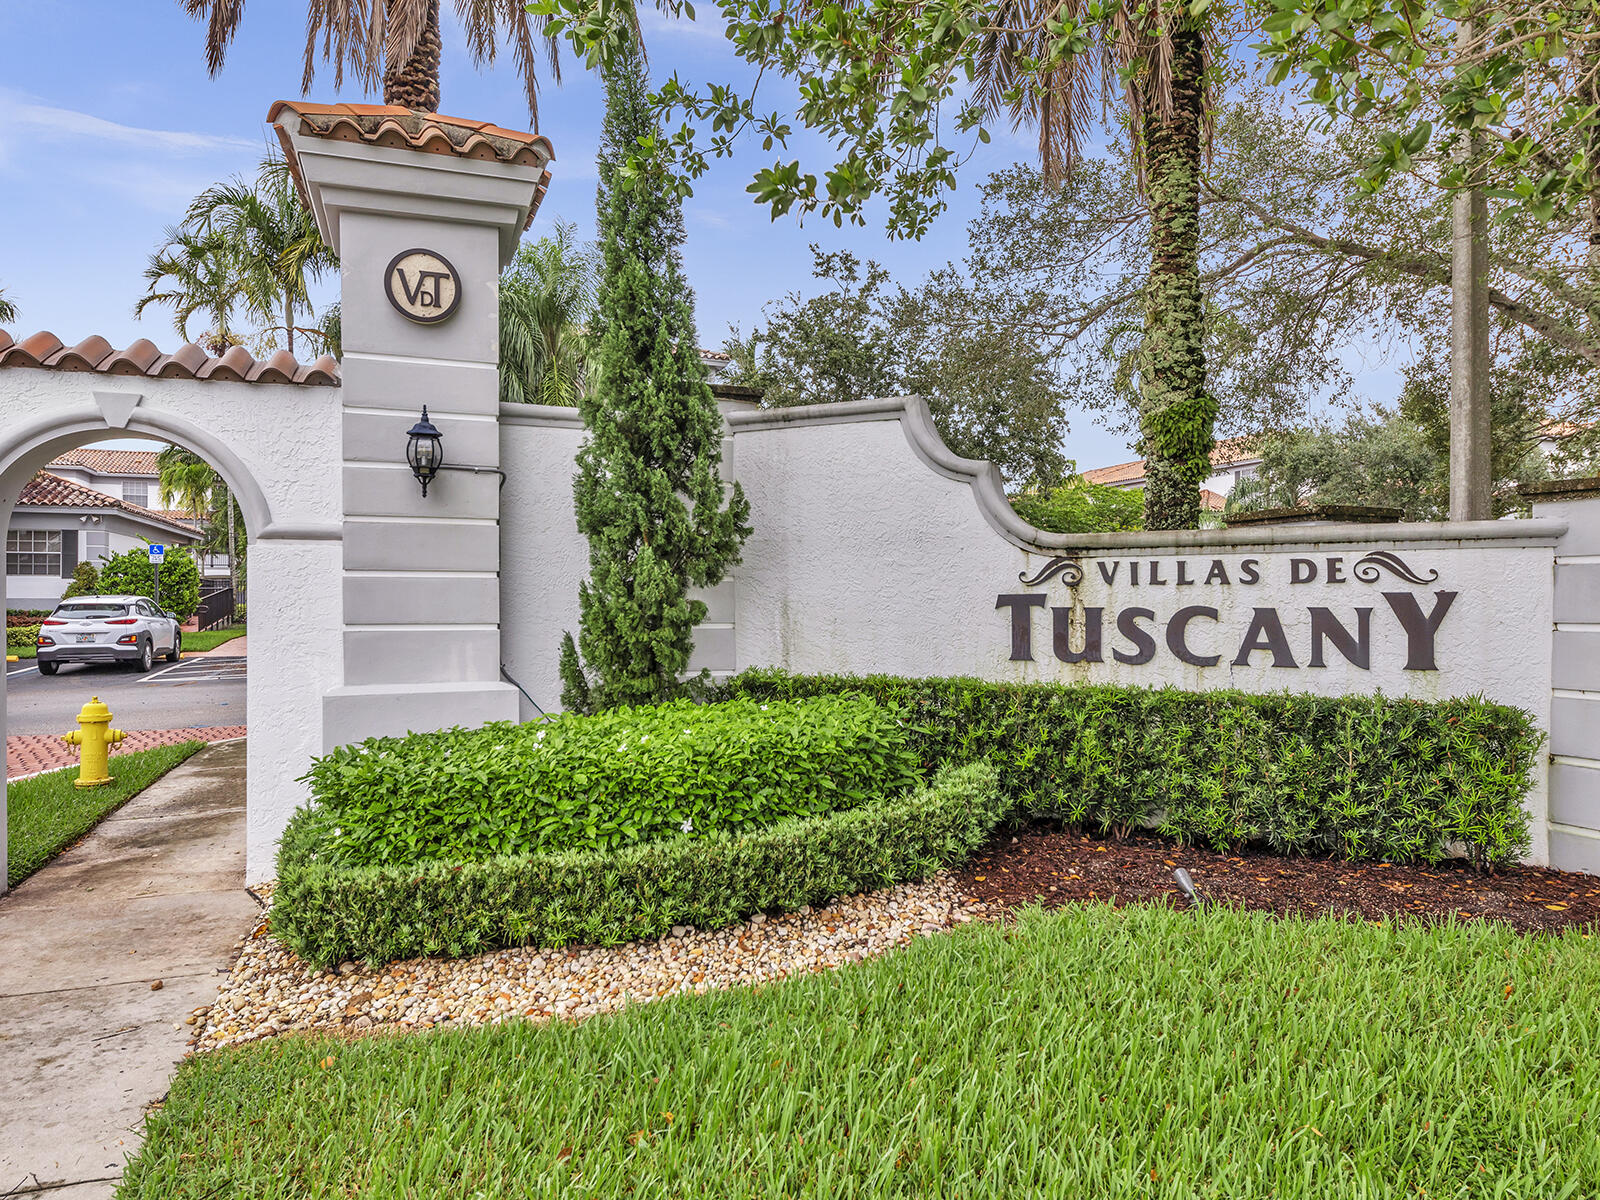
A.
pixel 109 462
pixel 143 358
pixel 46 490
pixel 1224 454
pixel 407 129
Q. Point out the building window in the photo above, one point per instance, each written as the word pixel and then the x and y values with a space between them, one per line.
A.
pixel 1249 472
pixel 96 546
pixel 33 552
pixel 136 493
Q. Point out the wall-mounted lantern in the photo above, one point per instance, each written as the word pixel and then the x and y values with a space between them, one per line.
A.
pixel 424 451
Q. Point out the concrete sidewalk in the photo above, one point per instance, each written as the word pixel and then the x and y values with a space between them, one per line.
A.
pixel 155 893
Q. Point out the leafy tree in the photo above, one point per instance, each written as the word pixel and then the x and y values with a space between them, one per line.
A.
pixel 1434 78
pixel 85 581
pixel 875 79
pixel 131 574
pixel 648 492
pixel 276 244
pixel 395 44
pixel 1297 268
pixel 1079 506
pixel 546 300
pixel 991 389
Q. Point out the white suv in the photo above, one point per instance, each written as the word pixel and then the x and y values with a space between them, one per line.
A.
pixel 97 629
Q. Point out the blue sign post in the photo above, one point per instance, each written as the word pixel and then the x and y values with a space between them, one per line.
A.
pixel 158 555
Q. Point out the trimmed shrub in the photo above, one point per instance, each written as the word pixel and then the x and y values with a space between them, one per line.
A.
pixel 21 636
pixel 25 616
pixel 85 581
pixel 1356 776
pixel 131 574
pixel 326 913
pixel 596 782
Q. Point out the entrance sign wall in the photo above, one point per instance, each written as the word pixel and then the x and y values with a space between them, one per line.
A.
pixel 376 610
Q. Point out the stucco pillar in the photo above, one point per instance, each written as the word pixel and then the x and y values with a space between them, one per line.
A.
pixel 421 595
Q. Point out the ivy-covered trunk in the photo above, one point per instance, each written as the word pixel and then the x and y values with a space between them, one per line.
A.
pixel 1176 413
pixel 648 492
pixel 415 83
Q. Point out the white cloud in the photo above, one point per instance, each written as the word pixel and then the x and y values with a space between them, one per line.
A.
pixel 44 122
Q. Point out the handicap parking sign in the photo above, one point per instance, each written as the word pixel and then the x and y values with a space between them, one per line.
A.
pixel 158 554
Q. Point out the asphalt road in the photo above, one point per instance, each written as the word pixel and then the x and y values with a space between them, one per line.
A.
pixel 195 692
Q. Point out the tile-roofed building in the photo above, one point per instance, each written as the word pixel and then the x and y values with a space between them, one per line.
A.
pixel 1232 459
pixel 108 462
pixel 49 490
pixel 407 129
pixel 144 358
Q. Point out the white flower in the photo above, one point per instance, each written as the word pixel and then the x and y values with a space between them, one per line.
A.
pixel 763 708
pixel 687 826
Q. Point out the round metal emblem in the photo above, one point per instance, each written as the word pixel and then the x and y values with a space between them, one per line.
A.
pixel 422 286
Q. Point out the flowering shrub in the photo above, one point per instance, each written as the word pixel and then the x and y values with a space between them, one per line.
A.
pixel 629 775
pixel 326 912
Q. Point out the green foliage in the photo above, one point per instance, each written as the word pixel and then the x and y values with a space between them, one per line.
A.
pixel 21 637
pixel 990 388
pixel 1135 1053
pixel 595 783
pixel 326 912
pixel 1359 776
pixel 1518 98
pixel 244 253
pixel 546 300
pixel 1078 506
pixel 47 813
pixel 130 574
pixel 648 491
pixel 8 308
pixel 85 581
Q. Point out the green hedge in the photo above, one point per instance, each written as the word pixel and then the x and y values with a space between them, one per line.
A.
pixel 327 913
pixel 19 637
pixel 1357 776
pixel 600 782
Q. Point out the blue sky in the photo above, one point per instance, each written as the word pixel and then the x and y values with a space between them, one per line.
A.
pixel 111 124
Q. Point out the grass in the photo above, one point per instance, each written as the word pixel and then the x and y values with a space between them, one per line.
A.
pixel 22 651
pixel 46 814
pixel 210 639
pixel 1088 1053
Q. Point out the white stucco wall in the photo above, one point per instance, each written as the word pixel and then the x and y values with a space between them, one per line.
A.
pixel 865 557
pixel 278 446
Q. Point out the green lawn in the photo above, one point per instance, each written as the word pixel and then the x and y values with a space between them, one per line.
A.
pixel 210 639
pixel 1091 1053
pixel 46 814
pixel 22 651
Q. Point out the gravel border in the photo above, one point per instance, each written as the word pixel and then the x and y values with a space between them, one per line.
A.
pixel 270 991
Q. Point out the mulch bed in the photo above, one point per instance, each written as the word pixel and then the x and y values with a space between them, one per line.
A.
pixel 1041 866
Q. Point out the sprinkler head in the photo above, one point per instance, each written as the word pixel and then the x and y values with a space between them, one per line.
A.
pixel 1186 886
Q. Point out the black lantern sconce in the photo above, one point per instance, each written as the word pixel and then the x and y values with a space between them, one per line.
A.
pixel 425 454
pixel 424 450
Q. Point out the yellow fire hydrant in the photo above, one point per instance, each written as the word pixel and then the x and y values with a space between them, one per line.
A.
pixel 95 735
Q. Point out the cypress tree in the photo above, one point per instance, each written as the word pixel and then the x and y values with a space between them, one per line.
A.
pixel 649 490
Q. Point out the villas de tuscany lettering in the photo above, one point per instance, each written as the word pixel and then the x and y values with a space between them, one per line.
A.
pixel 1135 634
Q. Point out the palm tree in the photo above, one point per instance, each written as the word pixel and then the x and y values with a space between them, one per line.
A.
pixel 275 238
pixel 8 310
pixel 196 273
pixel 183 476
pixel 395 43
pixel 546 295
pixel 1160 57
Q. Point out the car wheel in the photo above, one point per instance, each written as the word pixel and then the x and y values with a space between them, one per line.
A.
pixel 147 656
pixel 177 648
pixel 49 668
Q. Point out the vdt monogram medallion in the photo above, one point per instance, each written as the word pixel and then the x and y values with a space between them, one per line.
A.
pixel 422 286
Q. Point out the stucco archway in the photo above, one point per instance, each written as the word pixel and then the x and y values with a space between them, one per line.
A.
pixel 277 445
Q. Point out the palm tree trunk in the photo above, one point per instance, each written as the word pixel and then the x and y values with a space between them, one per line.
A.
pixel 1176 414
pixel 415 83
pixel 288 322
pixel 1471 478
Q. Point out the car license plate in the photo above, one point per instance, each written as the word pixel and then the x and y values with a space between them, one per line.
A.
pixel 86 637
